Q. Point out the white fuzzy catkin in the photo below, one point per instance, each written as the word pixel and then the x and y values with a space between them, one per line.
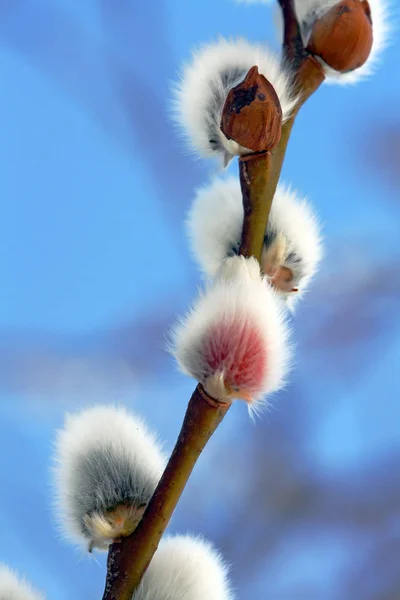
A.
pixel 215 223
pixel 310 10
pixel 12 587
pixel 185 568
pixel 107 466
pixel 234 341
pixel 201 93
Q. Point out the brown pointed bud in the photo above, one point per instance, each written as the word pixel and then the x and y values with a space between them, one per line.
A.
pixel 252 114
pixel 342 37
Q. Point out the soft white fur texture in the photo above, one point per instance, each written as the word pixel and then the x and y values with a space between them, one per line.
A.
pixel 239 295
pixel 12 587
pixel 294 217
pixel 309 10
pixel 104 457
pixel 205 83
pixel 215 222
pixel 185 568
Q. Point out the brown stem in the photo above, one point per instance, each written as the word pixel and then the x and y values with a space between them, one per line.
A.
pixel 259 173
pixel 293 48
pixel 306 71
pixel 307 80
pixel 129 558
pixel 254 172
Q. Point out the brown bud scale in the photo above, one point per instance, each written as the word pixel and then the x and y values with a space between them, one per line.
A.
pixel 252 114
pixel 343 36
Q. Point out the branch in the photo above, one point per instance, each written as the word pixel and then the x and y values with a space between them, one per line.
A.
pixel 129 557
pixel 260 172
pixel 307 80
pixel 306 71
pixel 292 41
pixel 307 76
pixel 252 117
pixel 258 191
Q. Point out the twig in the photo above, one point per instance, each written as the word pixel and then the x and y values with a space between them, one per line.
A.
pixel 255 182
pixel 129 558
pixel 259 173
pixel 307 80
pixel 293 48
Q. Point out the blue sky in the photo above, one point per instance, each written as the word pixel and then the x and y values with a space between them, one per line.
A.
pixel 94 266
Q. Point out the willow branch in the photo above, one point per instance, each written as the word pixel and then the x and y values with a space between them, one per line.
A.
pixel 307 76
pixel 129 557
pixel 292 41
pixel 259 174
pixel 307 80
pixel 252 117
pixel 254 170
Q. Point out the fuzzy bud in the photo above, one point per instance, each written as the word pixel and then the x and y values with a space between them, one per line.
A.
pixel 252 115
pixel 13 587
pixel 107 467
pixel 235 339
pixel 342 37
pixel 292 243
pixel 346 36
pixel 185 568
pixel 203 91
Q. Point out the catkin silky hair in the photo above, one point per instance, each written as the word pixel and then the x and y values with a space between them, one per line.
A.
pixel 292 240
pixel 107 466
pixel 13 587
pixel 234 341
pixel 185 568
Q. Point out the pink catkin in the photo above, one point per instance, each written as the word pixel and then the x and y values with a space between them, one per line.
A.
pixel 237 349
